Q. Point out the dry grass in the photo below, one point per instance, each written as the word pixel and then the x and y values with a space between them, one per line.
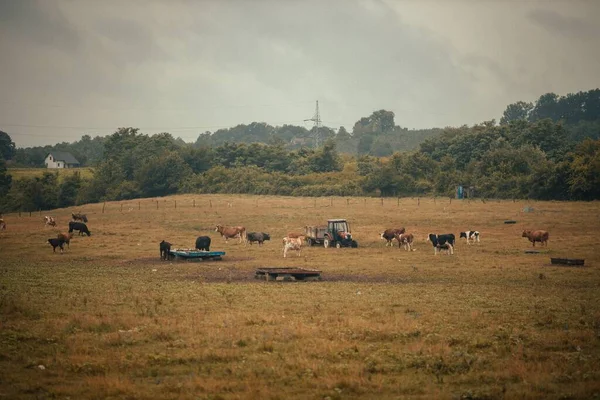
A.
pixel 108 319
pixel 20 173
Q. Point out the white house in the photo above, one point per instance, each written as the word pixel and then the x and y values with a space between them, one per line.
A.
pixel 61 159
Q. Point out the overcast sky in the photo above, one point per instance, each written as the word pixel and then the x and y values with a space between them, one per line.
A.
pixel 74 67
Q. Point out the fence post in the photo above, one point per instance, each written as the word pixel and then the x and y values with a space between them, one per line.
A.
pixel 40 212
pixel 418 201
pixel 175 203
pixel 398 202
pixel 210 203
pixel 103 205
pixel 30 213
pixel 194 203
pixel 347 202
pixel 331 201
pixel 19 213
pixel 121 207
pixel 382 201
pixel 365 202
pixel 139 206
pixel 315 203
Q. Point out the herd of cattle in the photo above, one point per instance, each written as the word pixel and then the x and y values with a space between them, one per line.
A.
pixel 65 238
pixel 293 241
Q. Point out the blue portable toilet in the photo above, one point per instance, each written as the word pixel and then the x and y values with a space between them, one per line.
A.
pixel 460 194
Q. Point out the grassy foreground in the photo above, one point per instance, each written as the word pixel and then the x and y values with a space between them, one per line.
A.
pixel 108 319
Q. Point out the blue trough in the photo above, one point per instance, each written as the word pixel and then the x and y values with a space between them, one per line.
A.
pixel 196 254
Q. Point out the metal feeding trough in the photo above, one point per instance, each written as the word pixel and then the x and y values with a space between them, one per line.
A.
pixel 189 254
pixel 288 274
pixel 567 261
pixel 510 221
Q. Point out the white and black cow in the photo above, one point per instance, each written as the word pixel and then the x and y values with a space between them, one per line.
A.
pixel 439 241
pixel 470 236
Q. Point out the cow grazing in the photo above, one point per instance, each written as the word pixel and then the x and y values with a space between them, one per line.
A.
pixel 203 243
pixel 406 240
pixel 389 234
pixel 65 237
pixel 229 232
pixel 536 236
pixel 79 226
pixel 470 236
pixel 292 244
pixel 54 242
pixel 79 217
pixel 49 221
pixel 165 249
pixel 439 240
pixel 259 237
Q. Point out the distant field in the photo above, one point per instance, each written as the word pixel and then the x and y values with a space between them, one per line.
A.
pixel 108 319
pixel 18 173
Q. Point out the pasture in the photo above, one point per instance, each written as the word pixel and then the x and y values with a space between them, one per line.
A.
pixel 20 173
pixel 108 319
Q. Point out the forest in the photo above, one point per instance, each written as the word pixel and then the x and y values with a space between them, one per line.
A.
pixel 546 150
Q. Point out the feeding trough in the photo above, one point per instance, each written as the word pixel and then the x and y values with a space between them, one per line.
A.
pixel 510 221
pixel 567 261
pixel 192 254
pixel 288 274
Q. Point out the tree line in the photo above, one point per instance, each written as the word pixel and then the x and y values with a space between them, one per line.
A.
pixel 522 157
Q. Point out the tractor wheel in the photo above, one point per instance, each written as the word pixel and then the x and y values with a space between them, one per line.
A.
pixel 326 243
pixel 354 244
pixel 338 245
pixel 310 242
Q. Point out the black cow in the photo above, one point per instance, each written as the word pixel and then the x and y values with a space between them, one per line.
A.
pixel 54 242
pixel 79 226
pixel 203 243
pixel 439 241
pixel 165 248
pixel 259 237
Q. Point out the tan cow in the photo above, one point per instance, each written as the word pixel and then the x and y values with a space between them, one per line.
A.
pixel 229 232
pixel 292 244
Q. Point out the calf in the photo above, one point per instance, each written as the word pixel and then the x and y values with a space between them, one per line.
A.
pixel 292 244
pixel 389 234
pixel 79 226
pixel 203 243
pixel 259 237
pixel 65 237
pixel 470 236
pixel 54 242
pixel 444 247
pixel 2 224
pixel 536 236
pixel 439 240
pixel 165 249
pixel 50 221
pixel 406 240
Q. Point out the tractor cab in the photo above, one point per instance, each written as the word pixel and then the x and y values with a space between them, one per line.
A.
pixel 338 234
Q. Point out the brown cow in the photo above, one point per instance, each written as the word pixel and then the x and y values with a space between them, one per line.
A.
pixel 536 236
pixel 2 224
pixel 407 240
pixel 229 232
pixel 66 238
pixel 390 234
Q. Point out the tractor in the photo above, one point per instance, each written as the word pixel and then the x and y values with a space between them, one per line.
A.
pixel 335 234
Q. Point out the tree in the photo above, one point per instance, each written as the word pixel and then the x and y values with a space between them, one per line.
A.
pixel 5 178
pixel 162 175
pixel 7 146
pixel 516 111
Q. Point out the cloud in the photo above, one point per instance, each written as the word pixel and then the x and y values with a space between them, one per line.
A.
pixel 556 23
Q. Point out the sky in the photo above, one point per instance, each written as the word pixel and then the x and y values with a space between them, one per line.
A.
pixel 75 67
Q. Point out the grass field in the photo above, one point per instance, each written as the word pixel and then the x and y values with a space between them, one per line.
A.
pixel 19 173
pixel 108 319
